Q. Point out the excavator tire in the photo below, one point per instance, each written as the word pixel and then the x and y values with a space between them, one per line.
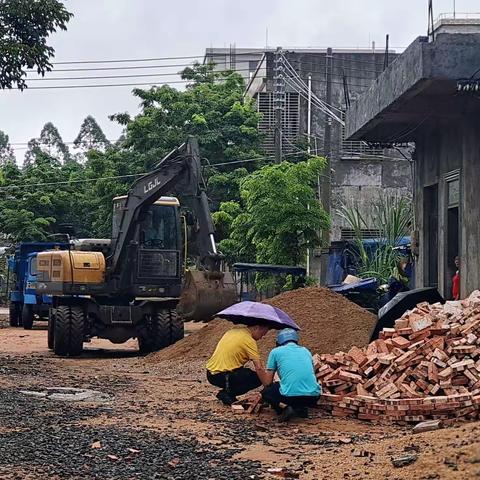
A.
pixel 27 316
pixel 68 331
pixel 164 328
pixel 14 313
pixel 177 329
pixel 51 331
pixel 156 334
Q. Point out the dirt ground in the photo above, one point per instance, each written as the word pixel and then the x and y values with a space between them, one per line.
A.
pixel 162 421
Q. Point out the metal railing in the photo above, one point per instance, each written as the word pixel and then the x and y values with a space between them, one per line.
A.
pixel 458 16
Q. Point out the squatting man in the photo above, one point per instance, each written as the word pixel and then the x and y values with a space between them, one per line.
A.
pixel 297 388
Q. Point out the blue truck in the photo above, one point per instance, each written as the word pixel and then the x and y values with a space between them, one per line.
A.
pixel 25 305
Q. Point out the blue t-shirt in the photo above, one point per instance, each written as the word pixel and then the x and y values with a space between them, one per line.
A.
pixel 294 365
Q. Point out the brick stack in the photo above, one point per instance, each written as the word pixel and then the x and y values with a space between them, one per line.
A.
pixel 426 367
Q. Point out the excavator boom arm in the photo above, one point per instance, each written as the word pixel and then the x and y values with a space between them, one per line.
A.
pixel 179 171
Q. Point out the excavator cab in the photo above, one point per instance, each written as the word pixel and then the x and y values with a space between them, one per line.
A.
pixel 166 236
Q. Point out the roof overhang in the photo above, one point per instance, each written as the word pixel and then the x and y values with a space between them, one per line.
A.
pixel 421 84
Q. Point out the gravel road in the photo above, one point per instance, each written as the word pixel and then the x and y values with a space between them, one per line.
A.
pixel 162 421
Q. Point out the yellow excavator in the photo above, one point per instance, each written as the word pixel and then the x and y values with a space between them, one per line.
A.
pixel 136 284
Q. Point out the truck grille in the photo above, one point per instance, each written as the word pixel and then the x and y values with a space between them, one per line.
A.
pixel 157 263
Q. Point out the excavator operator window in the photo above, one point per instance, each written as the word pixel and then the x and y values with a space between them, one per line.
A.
pixel 158 229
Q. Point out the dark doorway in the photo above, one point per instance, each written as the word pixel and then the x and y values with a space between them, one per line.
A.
pixel 452 248
pixel 430 223
pixel 452 229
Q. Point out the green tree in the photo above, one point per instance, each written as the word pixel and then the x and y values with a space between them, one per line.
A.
pixel 6 152
pixel 24 29
pixel 33 203
pixel 91 136
pixel 282 216
pixel 213 108
pixel 50 143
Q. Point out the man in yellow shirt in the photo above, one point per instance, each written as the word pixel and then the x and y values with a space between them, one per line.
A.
pixel 226 367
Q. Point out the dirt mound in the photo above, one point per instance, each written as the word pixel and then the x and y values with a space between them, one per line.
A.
pixel 329 323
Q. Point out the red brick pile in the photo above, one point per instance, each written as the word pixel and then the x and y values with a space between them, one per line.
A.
pixel 426 367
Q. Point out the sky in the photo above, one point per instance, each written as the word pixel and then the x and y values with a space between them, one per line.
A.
pixel 141 29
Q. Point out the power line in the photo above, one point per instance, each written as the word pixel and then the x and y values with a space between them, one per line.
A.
pixel 157 59
pixel 103 77
pixel 105 85
pixel 129 67
pixel 129 60
pixel 164 74
pixel 113 177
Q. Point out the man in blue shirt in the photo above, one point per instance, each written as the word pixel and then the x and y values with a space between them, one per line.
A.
pixel 298 388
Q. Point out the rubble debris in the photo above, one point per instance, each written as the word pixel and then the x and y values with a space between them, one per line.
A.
pixel 425 368
pixel 68 394
pixel 361 453
pixel 283 473
pixel 252 404
pixel 238 408
pixel 404 460
pixel 427 426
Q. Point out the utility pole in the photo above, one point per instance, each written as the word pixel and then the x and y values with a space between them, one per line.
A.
pixel 309 147
pixel 309 113
pixel 279 103
pixel 325 183
pixel 385 58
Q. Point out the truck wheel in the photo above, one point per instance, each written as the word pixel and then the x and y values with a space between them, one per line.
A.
pixel 156 334
pixel 68 331
pixel 51 331
pixel 177 328
pixel 27 316
pixel 14 313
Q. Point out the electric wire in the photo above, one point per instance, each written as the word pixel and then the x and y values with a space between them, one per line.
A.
pixel 305 87
pixel 116 177
pixel 155 74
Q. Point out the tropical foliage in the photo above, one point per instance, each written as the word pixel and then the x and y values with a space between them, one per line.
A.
pixel 55 186
pixel 279 216
pixel 392 216
pixel 24 29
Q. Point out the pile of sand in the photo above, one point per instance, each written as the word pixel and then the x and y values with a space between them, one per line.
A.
pixel 329 323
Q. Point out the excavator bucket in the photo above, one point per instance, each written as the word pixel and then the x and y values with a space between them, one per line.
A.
pixel 206 293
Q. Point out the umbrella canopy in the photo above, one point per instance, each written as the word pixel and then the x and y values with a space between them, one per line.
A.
pixel 252 313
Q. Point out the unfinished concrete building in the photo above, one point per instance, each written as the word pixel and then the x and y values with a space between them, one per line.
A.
pixel 359 173
pixel 430 96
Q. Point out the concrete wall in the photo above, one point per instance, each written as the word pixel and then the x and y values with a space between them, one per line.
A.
pixel 442 148
pixel 363 180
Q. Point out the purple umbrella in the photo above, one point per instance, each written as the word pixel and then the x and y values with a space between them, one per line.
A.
pixel 250 313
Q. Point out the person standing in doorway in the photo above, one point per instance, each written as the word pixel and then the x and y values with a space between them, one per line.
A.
pixel 456 280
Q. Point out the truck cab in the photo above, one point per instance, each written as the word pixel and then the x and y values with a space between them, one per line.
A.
pixel 25 305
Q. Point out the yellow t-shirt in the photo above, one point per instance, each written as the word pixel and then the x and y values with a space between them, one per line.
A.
pixel 233 351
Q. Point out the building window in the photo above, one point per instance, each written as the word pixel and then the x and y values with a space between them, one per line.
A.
pixel 290 121
pixel 453 193
pixel 367 233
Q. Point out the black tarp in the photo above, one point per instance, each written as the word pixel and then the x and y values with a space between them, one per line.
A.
pixel 402 302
